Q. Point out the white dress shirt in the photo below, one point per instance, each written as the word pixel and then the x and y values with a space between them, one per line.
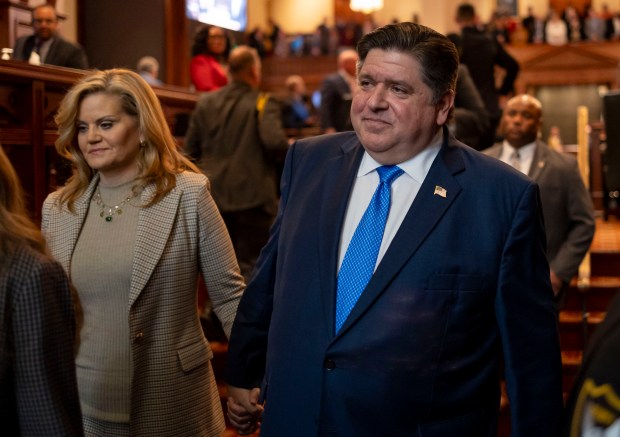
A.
pixel 526 154
pixel 404 190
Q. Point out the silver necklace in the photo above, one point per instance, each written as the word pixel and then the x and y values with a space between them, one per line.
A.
pixel 107 212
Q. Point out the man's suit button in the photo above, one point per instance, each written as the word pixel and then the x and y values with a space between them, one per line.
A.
pixel 138 337
pixel 329 364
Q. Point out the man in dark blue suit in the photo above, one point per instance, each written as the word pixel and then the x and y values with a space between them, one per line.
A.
pixel 460 288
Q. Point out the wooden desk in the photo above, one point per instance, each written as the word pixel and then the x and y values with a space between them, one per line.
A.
pixel 29 98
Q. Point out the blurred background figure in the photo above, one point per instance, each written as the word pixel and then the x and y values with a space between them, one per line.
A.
pixel 470 120
pixel 135 226
pixel 236 134
pixel 566 203
pixel 46 46
pixel 208 66
pixel 483 54
pixel 148 68
pixel 38 388
pixel 297 110
pixel 556 30
pixel 258 41
pixel 336 94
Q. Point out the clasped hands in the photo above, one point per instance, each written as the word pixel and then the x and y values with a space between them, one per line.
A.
pixel 244 411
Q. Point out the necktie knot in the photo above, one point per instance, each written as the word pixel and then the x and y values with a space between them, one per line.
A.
pixel 387 173
pixel 515 160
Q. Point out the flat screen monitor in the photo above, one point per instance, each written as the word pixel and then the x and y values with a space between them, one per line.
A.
pixel 229 14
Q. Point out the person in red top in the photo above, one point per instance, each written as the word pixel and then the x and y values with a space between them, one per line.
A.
pixel 209 54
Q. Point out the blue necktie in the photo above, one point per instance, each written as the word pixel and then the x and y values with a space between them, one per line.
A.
pixel 359 261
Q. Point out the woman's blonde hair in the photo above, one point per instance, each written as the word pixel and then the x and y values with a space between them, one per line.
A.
pixel 16 228
pixel 159 160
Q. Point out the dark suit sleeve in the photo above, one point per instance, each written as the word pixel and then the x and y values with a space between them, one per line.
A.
pixel 580 216
pixel 20 49
pixel 510 65
pixel 247 348
pixel 270 130
pixel 192 146
pixel 470 116
pixel 66 54
pixel 524 310
pixel 78 59
pixel 43 332
pixel 329 95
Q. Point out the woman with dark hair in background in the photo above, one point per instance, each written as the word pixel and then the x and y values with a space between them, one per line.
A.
pixel 208 67
pixel 38 389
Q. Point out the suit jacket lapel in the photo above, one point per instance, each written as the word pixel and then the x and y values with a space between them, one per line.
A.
pixel 154 226
pixel 539 161
pixel 339 177
pixel 424 214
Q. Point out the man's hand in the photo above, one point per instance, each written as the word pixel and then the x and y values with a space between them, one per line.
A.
pixel 244 411
pixel 556 283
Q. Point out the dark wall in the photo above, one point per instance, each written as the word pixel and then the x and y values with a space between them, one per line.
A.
pixel 117 33
pixel 560 103
pixel 611 157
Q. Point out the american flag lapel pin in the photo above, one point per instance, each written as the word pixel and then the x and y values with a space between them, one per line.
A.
pixel 440 191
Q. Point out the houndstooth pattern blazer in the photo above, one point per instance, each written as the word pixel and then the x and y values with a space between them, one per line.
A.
pixel 173 387
pixel 38 390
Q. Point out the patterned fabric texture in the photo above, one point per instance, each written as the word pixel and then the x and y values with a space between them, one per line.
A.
pixel 181 236
pixel 38 390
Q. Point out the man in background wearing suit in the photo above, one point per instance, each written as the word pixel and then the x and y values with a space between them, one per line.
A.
pixel 566 203
pixel 46 46
pixel 460 284
pixel 336 92
pixel 482 54
pixel 236 134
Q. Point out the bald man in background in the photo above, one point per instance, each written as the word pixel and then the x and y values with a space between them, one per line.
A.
pixel 336 94
pixel 567 205
pixel 46 46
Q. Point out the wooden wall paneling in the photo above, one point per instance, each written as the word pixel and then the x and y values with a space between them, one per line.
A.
pixel 581 63
pixel 29 99
pixel 15 21
pixel 39 162
pixel 176 40
pixel 560 5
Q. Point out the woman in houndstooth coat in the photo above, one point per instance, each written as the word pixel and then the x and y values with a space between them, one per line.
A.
pixel 134 227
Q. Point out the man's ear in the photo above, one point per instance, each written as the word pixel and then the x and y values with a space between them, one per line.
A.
pixel 443 107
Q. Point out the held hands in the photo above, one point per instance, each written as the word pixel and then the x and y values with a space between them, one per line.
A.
pixel 244 411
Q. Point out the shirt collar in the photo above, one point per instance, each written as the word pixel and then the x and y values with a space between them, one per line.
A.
pixel 416 167
pixel 525 152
